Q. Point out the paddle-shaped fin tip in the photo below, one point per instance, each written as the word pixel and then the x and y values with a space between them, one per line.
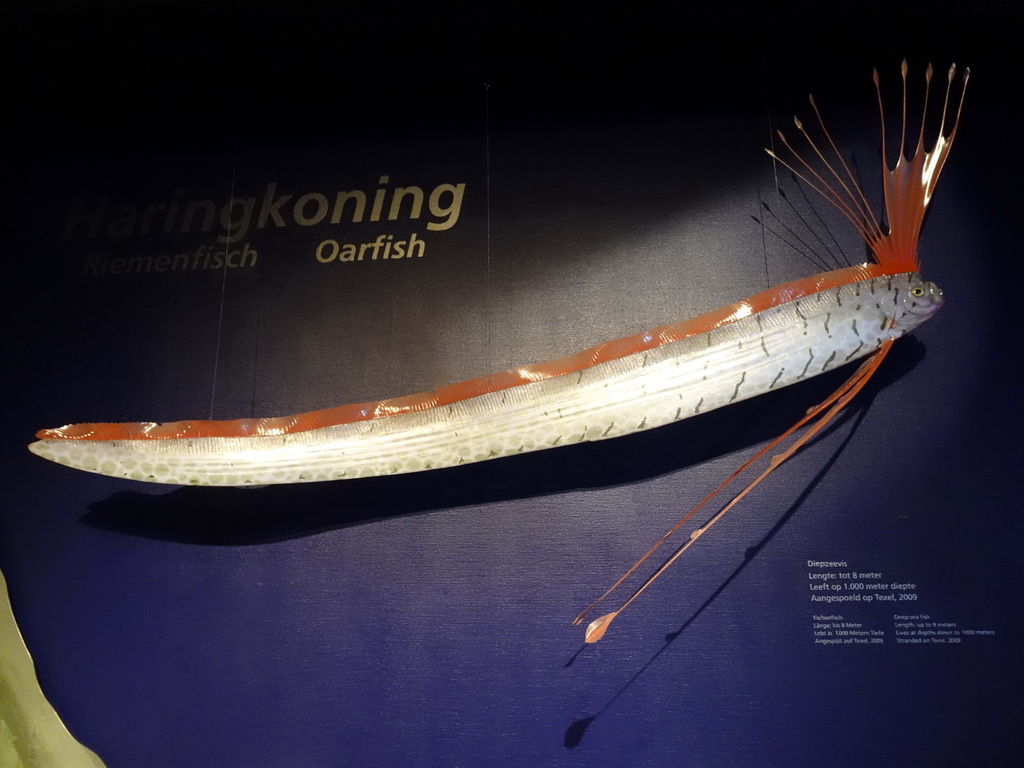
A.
pixel 597 628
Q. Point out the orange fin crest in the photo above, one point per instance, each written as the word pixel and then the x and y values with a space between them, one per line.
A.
pixel 909 185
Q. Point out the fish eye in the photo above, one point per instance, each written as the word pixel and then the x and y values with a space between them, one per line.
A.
pixel 917 291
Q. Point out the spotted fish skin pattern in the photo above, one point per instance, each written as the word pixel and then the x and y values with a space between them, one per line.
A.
pixel 745 357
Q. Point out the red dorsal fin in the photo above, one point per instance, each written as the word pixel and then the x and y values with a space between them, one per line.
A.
pixel 909 184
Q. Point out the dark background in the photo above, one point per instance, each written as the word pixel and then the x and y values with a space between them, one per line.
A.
pixel 425 619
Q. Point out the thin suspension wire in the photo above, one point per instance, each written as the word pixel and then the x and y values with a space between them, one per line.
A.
pixel 224 269
pixel 487 191
pixel 775 174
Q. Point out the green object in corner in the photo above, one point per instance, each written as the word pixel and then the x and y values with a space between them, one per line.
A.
pixel 31 733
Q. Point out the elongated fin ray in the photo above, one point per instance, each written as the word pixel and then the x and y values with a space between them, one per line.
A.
pixel 819 416
pixel 909 184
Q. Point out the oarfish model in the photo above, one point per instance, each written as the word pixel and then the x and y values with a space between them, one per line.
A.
pixel 765 342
